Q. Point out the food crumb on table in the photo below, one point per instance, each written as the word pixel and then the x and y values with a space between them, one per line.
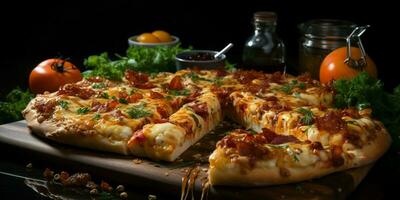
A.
pixel 29 165
pixel 152 197
pixel 137 161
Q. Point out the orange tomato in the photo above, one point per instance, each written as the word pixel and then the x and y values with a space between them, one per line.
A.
pixel 50 74
pixel 333 66
pixel 148 38
pixel 163 36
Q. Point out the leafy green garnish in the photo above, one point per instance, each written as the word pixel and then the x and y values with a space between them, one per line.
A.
pixel 105 95
pixel 293 154
pixel 97 116
pixel 13 104
pixel 288 87
pixel 83 110
pixel 122 100
pixel 308 116
pixel 63 104
pixel 362 90
pixel 183 92
pixel 365 91
pixel 138 111
pixel 143 59
pixel 218 81
pixel 229 66
pixel 195 77
pixel 98 85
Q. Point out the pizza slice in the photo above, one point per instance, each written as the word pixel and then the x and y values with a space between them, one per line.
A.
pixel 244 158
pixel 95 113
pixel 168 139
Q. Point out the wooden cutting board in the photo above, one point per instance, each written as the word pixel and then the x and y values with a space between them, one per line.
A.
pixel 167 177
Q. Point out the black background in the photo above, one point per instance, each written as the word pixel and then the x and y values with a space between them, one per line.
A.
pixel 34 31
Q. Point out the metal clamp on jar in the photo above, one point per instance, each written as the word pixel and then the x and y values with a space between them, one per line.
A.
pixel 319 38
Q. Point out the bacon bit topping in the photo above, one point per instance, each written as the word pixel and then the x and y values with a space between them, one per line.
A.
pixel 192 97
pixel 331 122
pixel 139 136
pixel 135 78
pixel 163 112
pixel 316 146
pixel 306 77
pixel 156 95
pixel 105 186
pixel 176 83
pixel 45 108
pixel 107 107
pixel 96 79
pixel 160 121
pixel 221 72
pixel 119 114
pixel 145 86
pixel 337 159
pixel 134 98
pixel 138 79
pixel 270 137
pixel 275 106
pixel 75 90
pixel 244 76
pixel 185 124
pixel 270 98
pixel 222 93
pixel 176 103
pixel 48 174
pixel 64 177
pixel 353 138
pixel 200 109
pixel 277 77
pixel 77 179
pixel 122 94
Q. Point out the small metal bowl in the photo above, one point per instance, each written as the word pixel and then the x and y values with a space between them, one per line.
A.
pixel 132 41
pixel 183 60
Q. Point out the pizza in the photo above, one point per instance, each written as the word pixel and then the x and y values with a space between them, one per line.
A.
pixel 290 130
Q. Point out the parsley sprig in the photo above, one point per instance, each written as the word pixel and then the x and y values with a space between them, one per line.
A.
pixel 138 111
pixel 308 116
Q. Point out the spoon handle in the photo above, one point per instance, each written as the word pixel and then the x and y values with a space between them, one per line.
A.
pixel 230 45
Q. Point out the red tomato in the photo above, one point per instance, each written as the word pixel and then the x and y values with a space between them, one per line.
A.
pixel 333 66
pixel 50 74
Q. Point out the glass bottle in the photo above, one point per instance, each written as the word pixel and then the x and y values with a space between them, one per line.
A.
pixel 264 50
pixel 319 38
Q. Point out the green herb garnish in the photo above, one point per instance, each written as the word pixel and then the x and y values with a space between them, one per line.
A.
pixel 97 116
pixel 13 104
pixel 122 100
pixel 83 110
pixel 138 111
pixel 195 77
pixel 63 104
pixel 308 116
pixel 218 81
pixel 288 87
pixel 183 92
pixel 150 60
pixel 105 95
pixel 98 85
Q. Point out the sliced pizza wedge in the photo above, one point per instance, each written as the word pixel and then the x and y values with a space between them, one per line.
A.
pixel 168 139
pixel 96 114
pixel 246 159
